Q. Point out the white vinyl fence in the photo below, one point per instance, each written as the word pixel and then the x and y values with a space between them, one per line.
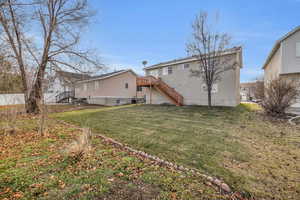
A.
pixel 13 99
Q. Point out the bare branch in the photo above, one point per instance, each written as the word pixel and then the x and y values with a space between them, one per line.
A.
pixel 60 24
pixel 208 46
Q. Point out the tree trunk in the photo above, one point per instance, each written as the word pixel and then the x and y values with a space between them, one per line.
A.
pixel 35 96
pixel 32 104
pixel 209 97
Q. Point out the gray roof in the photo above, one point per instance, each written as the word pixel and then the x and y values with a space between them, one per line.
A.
pixel 277 45
pixel 190 58
pixel 106 75
pixel 72 75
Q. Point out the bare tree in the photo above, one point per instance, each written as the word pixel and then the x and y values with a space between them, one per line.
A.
pixel 57 26
pixel 279 95
pixel 10 79
pixel 259 89
pixel 209 46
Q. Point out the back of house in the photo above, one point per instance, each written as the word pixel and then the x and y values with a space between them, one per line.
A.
pixel 110 89
pixel 174 83
pixel 284 60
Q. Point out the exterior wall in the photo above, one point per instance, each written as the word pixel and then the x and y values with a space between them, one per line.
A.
pixel 248 91
pixel 273 69
pixel 109 101
pixel 14 99
pixel 191 87
pixel 58 86
pixel 109 91
pixel 290 62
pixel 156 97
pixel 109 87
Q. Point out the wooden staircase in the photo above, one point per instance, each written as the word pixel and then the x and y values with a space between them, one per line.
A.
pixel 162 87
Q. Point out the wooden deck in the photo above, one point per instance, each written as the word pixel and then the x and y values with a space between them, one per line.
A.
pixel 161 86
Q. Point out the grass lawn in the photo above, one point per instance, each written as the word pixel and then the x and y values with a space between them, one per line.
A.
pixel 35 167
pixel 253 155
pixel 50 108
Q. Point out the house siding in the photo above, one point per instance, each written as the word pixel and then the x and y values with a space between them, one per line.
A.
pixel 273 68
pixel 285 62
pixel 290 62
pixel 190 87
pixel 110 91
pixel 296 79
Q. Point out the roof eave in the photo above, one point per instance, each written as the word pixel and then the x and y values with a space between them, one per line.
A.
pixel 278 43
pixel 273 51
pixel 101 78
pixel 189 59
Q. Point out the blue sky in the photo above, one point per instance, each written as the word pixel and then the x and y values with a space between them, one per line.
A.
pixel 126 32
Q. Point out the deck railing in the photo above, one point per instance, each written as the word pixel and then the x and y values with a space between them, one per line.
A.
pixel 146 81
pixel 64 95
pixel 161 85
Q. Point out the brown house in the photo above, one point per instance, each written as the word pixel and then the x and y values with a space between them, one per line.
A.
pixel 115 88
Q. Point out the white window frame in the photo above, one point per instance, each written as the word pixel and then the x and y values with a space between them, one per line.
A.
pixel 184 66
pixel 170 68
pixel 213 90
pixel 298 49
pixel 97 84
pixel 159 71
pixel 165 71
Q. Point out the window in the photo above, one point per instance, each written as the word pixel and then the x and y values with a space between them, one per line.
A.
pixel 139 89
pixel 97 84
pixel 170 70
pixel 186 66
pixel 165 71
pixel 213 90
pixel 298 49
pixel 159 71
pixel 126 85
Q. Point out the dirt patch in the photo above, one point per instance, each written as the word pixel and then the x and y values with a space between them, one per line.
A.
pixel 134 191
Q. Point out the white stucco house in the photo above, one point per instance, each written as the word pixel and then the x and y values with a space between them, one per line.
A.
pixel 171 82
pixel 284 60
pixel 61 86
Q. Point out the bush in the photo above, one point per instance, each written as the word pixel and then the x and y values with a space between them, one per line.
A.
pixel 279 94
pixel 80 146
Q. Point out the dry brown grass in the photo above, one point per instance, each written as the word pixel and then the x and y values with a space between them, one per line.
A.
pixel 79 147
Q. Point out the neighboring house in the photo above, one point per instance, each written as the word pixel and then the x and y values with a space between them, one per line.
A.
pixel 62 84
pixel 115 88
pixel 171 82
pixel 248 91
pixel 284 60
